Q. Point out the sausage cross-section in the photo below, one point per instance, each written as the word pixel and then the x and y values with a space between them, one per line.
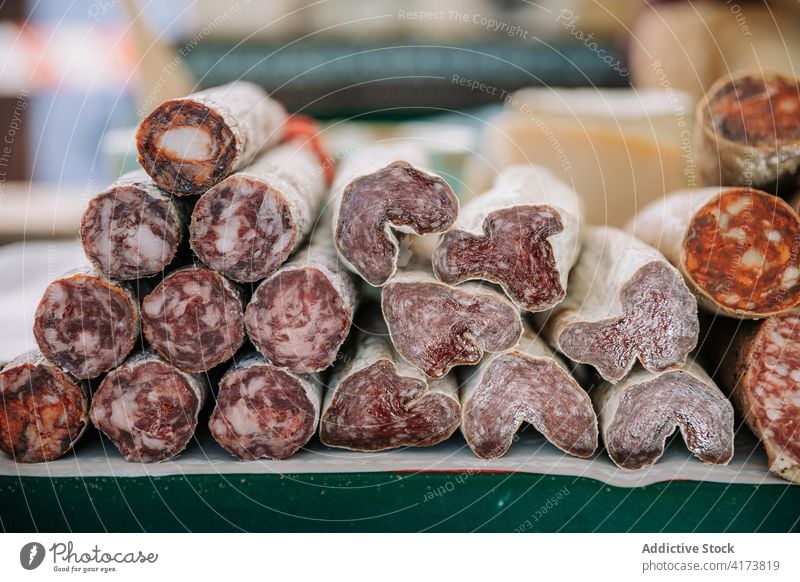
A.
pixel 376 401
pixel 526 384
pixel 187 145
pixel 624 301
pixel 748 132
pixel 523 234
pixel 194 319
pixel 43 410
pixel 148 408
pixel 86 324
pixel 638 415
pixel 738 248
pixel 265 411
pixel 378 191
pixel 246 226
pixel 300 316
pixel 436 326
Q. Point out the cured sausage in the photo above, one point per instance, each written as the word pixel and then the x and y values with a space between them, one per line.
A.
pixel 435 326
pixel 187 145
pixel 624 301
pixel 376 401
pixel 194 319
pixel 759 367
pixel 132 229
pixel 638 415
pixel 526 384
pixel 738 248
pixel 523 234
pixel 148 408
pixel 264 411
pixel 246 226
pixel 43 411
pixel 299 317
pixel 378 192
pixel 748 132
pixel 86 324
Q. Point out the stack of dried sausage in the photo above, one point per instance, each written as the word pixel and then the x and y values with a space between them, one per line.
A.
pixel 236 254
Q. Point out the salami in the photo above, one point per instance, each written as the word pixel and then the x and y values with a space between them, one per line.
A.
pixel 43 411
pixel 194 319
pixel 638 415
pixel 624 301
pixel 86 324
pixel 523 234
pixel 381 191
pixel 749 132
pixel 246 226
pixel 264 411
pixel 738 248
pixel 187 145
pixel 526 384
pixel 148 408
pixel 376 401
pixel 299 317
pixel 760 368
pixel 436 326
pixel 132 229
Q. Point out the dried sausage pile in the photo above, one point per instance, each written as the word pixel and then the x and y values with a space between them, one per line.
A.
pixel 239 258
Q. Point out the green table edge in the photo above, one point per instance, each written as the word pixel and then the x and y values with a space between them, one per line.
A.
pixel 389 502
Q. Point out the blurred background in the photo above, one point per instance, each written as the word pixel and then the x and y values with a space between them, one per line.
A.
pixel 77 75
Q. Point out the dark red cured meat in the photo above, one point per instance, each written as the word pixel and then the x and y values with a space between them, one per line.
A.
pixel 86 324
pixel 435 326
pixel 43 412
pixel 263 411
pixel 148 409
pixel 194 319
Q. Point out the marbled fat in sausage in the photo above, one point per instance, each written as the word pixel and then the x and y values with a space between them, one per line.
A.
pixel 624 302
pixel 86 324
pixel 265 411
pixel 43 411
pixel 523 234
pixel 528 383
pixel 187 145
pixel 638 415
pixel 194 319
pixel 148 408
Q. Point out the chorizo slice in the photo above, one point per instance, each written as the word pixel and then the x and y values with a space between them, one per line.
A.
pixel 86 324
pixel 737 247
pixel 436 326
pixel 523 234
pixel 760 369
pixel 526 384
pixel 194 319
pixel 132 229
pixel 265 411
pixel 249 224
pixel 189 144
pixel 43 410
pixel 624 302
pixel 148 408
pixel 748 132
pixel 638 415
pixel 376 401
pixel 379 192
pixel 300 316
